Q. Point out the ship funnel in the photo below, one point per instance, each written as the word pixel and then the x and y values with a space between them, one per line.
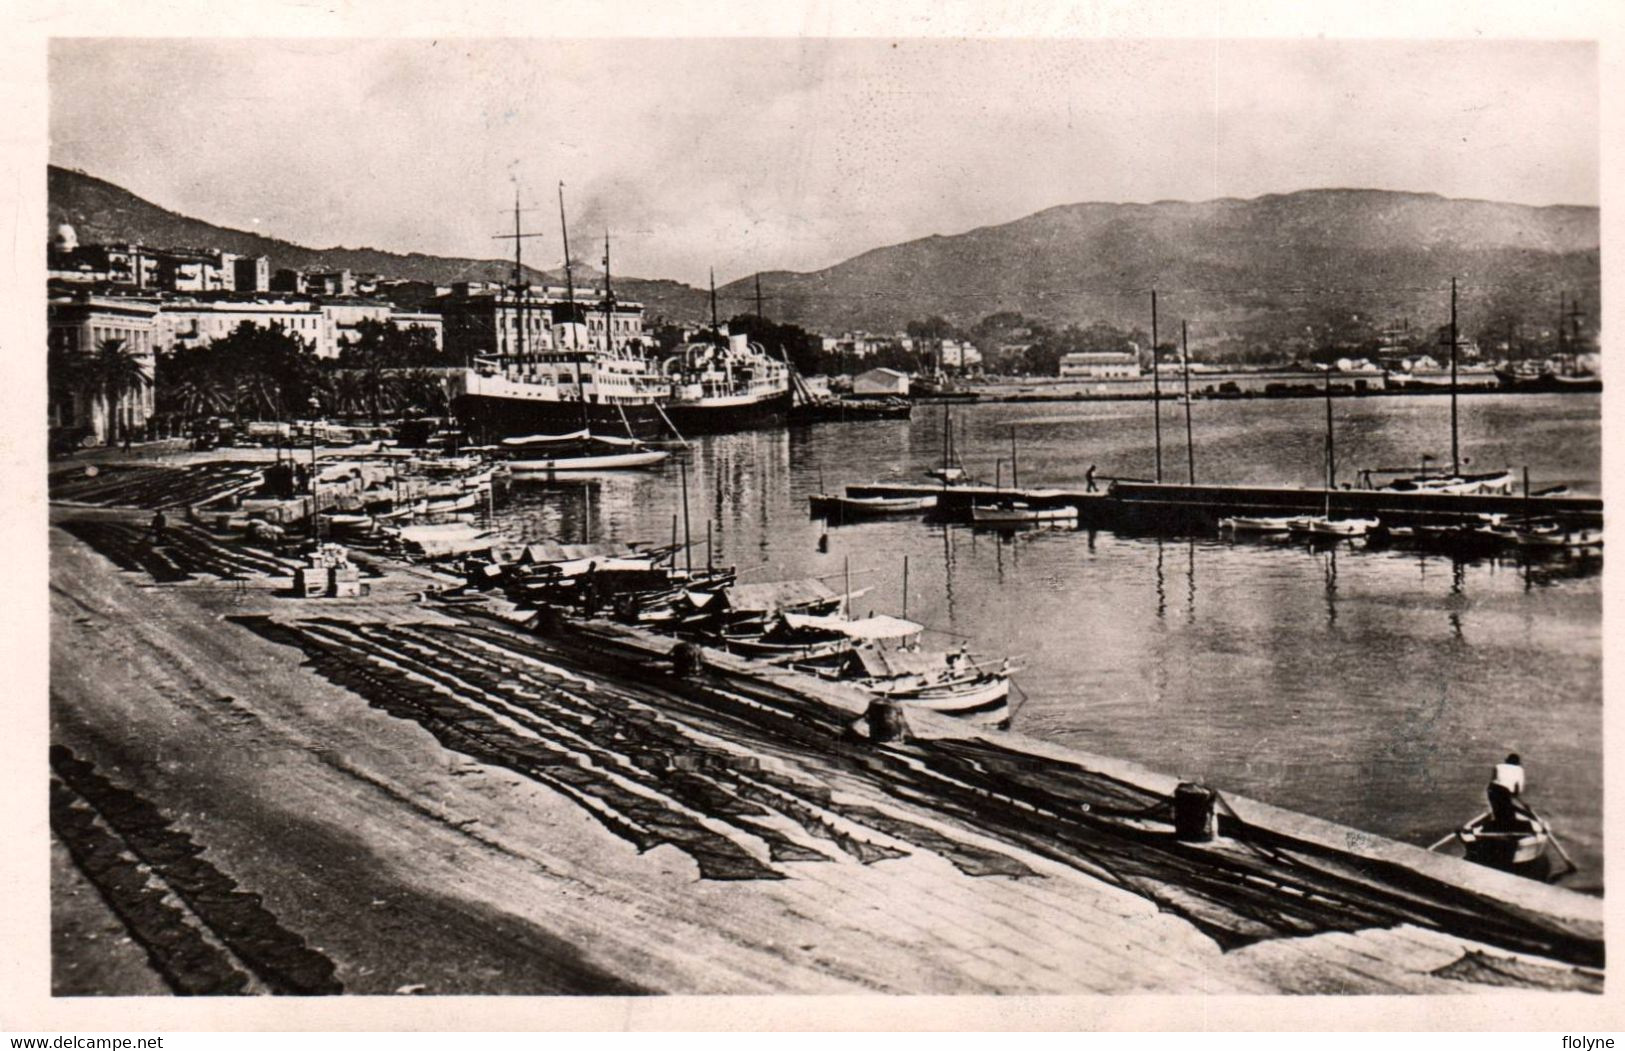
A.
pixel 739 342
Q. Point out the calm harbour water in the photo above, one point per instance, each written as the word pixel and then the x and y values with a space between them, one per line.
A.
pixel 1373 688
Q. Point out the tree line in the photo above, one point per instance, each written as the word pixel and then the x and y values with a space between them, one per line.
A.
pixel 259 373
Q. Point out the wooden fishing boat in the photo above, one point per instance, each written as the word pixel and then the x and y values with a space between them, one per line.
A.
pixel 404 511
pixel 1543 534
pixel 1019 512
pixel 451 505
pixel 1512 850
pixel 349 524
pixel 1341 528
pixel 983 700
pixel 1244 524
pixel 546 454
pixel 606 462
pixel 828 505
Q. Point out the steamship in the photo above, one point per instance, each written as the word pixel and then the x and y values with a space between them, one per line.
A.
pixel 726 386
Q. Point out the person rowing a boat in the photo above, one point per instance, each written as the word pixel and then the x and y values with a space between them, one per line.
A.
pixel 1507 811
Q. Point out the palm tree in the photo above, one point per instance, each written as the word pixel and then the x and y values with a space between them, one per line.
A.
pixel 113 377
pixel 202 394
pixel 423 390
pixel 256 392
pixel 343 391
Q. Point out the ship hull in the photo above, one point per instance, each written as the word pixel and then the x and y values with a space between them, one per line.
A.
pixel 1549 383
pixel 727 415
pixel 488 418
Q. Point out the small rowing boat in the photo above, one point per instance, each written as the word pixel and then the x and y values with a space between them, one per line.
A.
pixel 548 454
pixel 1019 512
pixel 1341 528
pixel 1511 850
pixel 827 505
pixel 1243 524
pixel 606 462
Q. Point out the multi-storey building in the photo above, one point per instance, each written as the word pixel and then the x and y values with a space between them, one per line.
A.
pixel 81 324
pixel 1101 364
pixel 484 321
pixel 252 274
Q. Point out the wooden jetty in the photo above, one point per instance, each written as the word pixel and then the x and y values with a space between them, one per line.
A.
pixel 1179 506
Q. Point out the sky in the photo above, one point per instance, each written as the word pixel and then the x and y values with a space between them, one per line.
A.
pixel 794 154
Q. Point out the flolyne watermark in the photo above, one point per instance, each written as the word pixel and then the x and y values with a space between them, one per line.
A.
pixel 1586 1043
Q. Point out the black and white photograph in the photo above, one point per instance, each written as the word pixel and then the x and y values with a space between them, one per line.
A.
pixel 881 515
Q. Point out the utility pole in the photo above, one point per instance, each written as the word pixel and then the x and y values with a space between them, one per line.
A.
pixel 1156 385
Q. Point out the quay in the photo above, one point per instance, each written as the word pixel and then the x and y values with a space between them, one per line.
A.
pixel 1151 506
pixel 419 796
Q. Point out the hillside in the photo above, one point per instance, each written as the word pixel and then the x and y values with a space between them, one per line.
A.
pixel 1254 270
pixel 102 212
pixel 1258 267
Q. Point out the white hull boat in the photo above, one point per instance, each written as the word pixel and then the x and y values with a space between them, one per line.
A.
pixel 1340 528
pixel 861 506
pixel 1021 514
pixel 606 462
pixel 1240 524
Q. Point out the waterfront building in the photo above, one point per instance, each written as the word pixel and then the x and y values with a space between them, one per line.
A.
pixel 125 264
pixel 251 273
pixel 289 280
pixel 881 381
pixel 324 327
pixel 330 283
pixel 194 323
pixel 481 320
pixel 1100 364
pixel 959 356
pixel 81 324
pixel 342 322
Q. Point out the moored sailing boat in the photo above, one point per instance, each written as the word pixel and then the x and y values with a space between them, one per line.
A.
pixel 549 454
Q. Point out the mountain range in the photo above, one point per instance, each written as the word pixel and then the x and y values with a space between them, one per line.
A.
pixel 1241 269
pixel 102 212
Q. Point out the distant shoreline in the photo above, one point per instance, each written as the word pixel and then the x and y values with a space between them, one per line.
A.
pixel 985 395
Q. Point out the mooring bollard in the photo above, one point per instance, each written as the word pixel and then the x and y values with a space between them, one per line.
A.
pixel 687 660
pixel 1193 812
pixel 886 721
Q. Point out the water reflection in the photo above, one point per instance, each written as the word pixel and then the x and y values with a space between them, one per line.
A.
pixel 1311 676
pixel 1329 574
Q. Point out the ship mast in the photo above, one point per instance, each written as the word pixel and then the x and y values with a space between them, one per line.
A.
pixel 569 269
pixel 570 292
pixel 716 329
pixel 609 303
pixel 1455 437
pixel 519 287
pixel 1574 316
